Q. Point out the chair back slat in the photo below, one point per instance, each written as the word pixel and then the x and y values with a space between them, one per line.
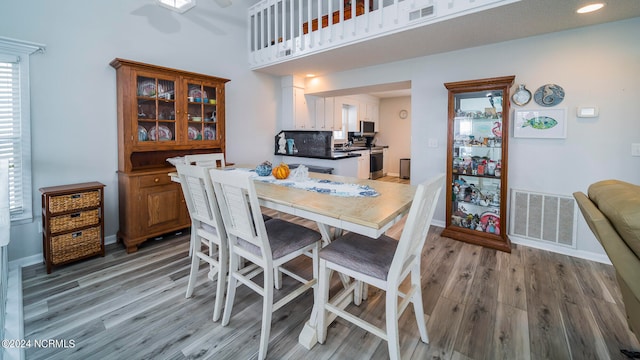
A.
pixel 240 208
pixel 417 225
pixel 206 160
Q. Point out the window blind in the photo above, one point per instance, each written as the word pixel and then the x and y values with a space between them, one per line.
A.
pixel 10 130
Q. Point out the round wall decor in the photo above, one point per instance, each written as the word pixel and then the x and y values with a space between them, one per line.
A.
pixel 403 114
pixel 522 96
pixel 549 95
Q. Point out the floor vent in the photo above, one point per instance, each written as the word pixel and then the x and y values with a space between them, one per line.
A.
pixel 543 217
pixel 421 13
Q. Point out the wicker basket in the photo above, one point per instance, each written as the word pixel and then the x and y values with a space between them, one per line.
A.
pixel 75 245
pixel 74 220
pixel 58 204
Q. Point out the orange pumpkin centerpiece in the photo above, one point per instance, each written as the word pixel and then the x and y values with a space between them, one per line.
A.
pixel 281 171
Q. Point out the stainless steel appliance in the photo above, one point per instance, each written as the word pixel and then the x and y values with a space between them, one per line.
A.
pixel 376 154
pixel 375 162
pixel 405 168
pixel 367 128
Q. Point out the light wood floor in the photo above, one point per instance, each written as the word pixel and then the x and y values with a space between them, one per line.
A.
pixel 479 304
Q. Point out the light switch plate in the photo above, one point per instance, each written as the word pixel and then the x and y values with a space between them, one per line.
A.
pixel 587 112
pixel 432 143
pixel 635 149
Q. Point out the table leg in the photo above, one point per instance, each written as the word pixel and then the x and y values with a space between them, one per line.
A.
pixel 309 335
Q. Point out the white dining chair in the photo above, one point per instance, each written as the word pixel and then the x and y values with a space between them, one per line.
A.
pixel 384 263
pixel 207 229
pixel 206 160
pixel 267 244
pixel 211 159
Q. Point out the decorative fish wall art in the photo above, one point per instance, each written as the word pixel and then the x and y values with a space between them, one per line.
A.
pixel 543 123
pixel 540 122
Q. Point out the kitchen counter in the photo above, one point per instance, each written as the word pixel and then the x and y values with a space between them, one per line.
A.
pixel 329 155
pixel 347 166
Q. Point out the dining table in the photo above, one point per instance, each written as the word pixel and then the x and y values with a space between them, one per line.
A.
pixel 370 215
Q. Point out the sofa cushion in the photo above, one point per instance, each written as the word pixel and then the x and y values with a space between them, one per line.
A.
pixel 619 201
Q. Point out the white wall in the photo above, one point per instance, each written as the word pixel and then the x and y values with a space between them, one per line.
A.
pixel 395 132
pixel 595 65
pixel 74 94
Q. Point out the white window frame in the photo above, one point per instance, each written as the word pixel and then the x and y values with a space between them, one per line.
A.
pixel 12 50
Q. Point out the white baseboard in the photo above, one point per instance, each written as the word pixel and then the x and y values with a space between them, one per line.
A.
pixel 26 261
pixel 111 239
pixel 587 255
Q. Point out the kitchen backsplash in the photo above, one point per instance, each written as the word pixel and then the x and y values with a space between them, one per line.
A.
pixel 306 142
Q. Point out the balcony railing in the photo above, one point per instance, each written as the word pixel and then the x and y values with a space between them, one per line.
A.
pixel 282 30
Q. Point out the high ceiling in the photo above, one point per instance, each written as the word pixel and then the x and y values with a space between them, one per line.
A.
pixel 514 21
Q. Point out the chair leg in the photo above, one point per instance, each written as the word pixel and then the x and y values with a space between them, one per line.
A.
pixel 193 273
pixel 212 269
pixel 392 324
pixel 231 288
pixel 267 310
pixel 277 278
pixel 357 293
pixel 192 239
pixel 322 298
pixel 417 304
pixel 223 257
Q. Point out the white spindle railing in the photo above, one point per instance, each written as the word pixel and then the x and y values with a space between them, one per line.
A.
pixel 276 27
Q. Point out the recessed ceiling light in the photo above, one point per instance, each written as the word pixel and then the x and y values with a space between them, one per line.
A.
pixel 177 5
pixel 590 8
pixel 311 75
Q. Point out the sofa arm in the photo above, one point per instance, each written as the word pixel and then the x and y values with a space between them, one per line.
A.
pixel 624 260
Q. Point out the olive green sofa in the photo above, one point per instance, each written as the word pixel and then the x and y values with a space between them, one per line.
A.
pixel 612 211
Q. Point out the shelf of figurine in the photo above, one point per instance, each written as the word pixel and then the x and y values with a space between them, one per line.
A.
pixel 475 208
pixel 477 166
pixel 487 222
pixel 469 193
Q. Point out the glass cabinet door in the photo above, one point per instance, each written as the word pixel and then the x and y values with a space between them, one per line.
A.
pixel 202 104
pixel 156 111
pixel 477 161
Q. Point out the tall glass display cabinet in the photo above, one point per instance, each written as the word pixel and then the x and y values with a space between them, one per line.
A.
pixel 477 162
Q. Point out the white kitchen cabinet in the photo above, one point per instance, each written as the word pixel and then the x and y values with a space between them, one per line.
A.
pixel 373 110
pixel 353 125
pixel 363 164
pixel 297 112
pixel 368 110
pixel 329 118
pixel 323 113
pixel 302 110
pixel 318 112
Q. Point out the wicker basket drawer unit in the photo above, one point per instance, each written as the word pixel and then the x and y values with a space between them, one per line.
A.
pixel 72 222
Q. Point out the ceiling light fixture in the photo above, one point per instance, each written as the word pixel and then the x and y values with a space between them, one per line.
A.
pixel 223 3
pixel 311 75
pixel 177 5
pixel 590 8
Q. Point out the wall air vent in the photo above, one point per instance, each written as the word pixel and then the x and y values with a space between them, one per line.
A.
pixel 427 11
pixel 543 217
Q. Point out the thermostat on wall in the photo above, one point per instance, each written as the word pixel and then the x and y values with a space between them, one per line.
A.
pixel 587 111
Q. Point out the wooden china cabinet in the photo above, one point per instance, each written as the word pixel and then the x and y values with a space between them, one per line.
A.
pixel 162 113
pixel 477 162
